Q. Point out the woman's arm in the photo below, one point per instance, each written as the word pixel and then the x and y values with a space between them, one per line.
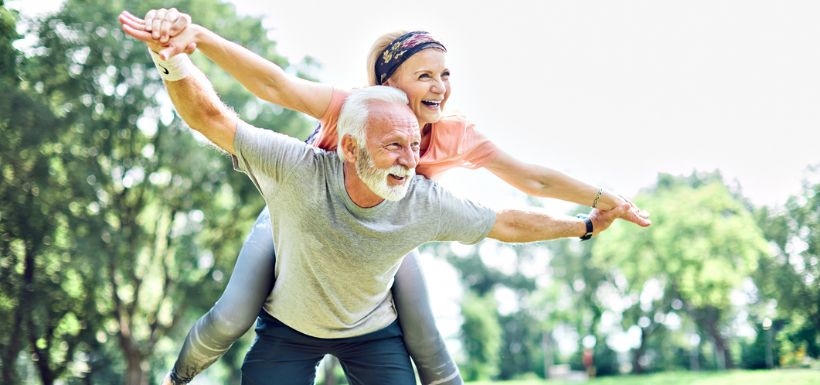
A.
pixel 544 182
pixel 258 75
pixel 263 78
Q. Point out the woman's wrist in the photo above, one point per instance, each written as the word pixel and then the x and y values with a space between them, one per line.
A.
pixel 203 37
pixel 609 200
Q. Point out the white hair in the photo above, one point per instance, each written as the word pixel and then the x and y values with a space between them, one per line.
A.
pixel 355 112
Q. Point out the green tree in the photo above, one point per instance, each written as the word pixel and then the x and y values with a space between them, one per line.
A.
pixel 519 348
pixel 42 300
pixel 123 214
pixel 704 242
pixel 792 275
pixel 482 336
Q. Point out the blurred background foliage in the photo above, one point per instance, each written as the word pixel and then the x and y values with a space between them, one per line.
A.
pixel 119 228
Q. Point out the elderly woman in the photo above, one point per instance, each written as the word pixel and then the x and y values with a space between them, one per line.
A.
pixel 414 62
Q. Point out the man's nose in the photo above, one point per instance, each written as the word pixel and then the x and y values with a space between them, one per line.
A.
pixel 408 158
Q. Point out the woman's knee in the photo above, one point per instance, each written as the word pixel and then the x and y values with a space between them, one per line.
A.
pixel 230 323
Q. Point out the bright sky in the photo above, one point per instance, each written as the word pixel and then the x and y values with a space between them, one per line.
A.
pixel 612 92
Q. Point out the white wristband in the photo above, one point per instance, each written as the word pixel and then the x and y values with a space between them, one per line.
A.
pixel 176 68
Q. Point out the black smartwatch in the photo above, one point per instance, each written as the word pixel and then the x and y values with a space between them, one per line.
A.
pixel 588 223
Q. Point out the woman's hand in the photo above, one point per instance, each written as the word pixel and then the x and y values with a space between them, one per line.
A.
pixel 167 33
pixel 166 23
pixel 633 213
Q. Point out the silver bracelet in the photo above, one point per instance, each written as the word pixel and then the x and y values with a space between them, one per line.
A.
pixel 597 197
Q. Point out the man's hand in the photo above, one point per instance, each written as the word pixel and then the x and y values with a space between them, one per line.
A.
pixel 177 40
pixel 602 219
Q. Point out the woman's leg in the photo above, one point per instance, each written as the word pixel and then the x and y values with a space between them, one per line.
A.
pixel 235 312
pixel 424 343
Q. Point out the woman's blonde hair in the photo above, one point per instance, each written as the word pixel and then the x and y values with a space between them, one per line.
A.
pixel 378 47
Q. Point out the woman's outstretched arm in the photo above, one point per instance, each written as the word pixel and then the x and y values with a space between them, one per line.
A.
pixel 545 182
pixel 258 75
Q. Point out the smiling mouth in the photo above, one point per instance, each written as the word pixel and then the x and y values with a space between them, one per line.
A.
pixel 432 103
pixel 396 177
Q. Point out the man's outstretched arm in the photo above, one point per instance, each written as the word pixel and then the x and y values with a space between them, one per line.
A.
pixel 194 96
pixel 517 226
pixel 198 104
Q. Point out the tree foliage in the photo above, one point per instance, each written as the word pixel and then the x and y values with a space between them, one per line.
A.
pixel 702 245
pixel 482 334
pixel 792 275
pixel 116 221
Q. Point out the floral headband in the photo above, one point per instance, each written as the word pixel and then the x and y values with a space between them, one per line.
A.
pixel 402 49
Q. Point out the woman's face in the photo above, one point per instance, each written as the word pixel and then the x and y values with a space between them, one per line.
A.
pixel 425 79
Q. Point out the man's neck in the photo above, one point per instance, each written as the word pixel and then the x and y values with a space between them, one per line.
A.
pixel 358 192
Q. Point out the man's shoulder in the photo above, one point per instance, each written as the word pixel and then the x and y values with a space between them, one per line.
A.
pixel 422 187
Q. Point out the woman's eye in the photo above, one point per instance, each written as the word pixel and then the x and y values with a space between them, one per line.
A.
pixel 445 74
pixel 424 76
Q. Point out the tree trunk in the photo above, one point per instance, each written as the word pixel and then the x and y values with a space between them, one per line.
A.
pixel 708 319
pixel 46 374
pixel 722 354
pixel 637 368
pixel 694 358
pixel 548 357
pixel 23 310
pixel 43 361
pixel 11 351
pixel 134 373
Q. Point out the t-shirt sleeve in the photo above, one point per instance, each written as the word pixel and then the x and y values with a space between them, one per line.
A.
pixel 269 158
pixel 462 220
pixel 328 137
pixel 478 149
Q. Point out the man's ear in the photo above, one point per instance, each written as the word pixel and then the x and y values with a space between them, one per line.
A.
pixel 350 148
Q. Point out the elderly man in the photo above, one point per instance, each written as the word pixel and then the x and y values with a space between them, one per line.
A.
pixel 343 223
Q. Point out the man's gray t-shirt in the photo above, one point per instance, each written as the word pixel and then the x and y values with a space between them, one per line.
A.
pixel 335 261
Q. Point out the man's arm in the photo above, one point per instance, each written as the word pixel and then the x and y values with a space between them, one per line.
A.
pixel 194 98
pixel 518 226
pixel 200 107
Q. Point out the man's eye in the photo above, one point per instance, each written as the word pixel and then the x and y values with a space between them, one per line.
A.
pixel 445 74
pixel 424 76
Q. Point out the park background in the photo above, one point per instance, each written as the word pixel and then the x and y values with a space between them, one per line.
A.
pixel 118 228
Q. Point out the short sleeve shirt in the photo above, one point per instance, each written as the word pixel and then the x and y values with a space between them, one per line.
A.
pixel 336 261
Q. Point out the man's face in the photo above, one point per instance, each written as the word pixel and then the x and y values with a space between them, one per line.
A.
pixel 388 159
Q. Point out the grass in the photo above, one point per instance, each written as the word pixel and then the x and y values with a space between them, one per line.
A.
pixel 736 377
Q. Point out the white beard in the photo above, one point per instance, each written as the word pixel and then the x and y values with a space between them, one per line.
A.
pixel 376 178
